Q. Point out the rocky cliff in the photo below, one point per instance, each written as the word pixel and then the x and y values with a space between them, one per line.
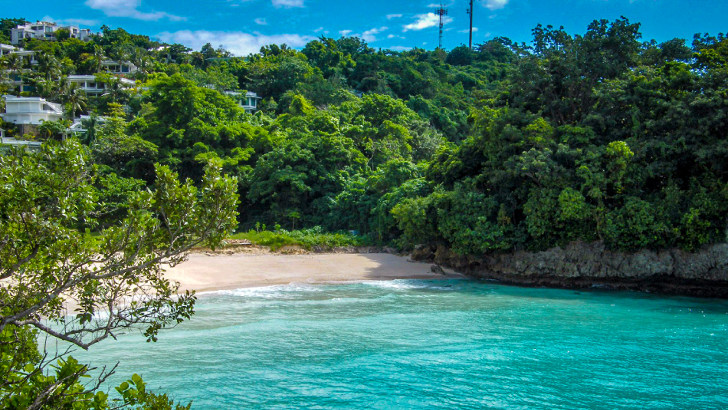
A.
pixel 586 265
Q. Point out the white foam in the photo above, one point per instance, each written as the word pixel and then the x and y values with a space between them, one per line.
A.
pixel 404 284
pixel 267 292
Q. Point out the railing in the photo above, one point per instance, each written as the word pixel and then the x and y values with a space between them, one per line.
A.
pixel 13 141
pixel 34 112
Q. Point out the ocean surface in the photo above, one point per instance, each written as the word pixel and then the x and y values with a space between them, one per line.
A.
pixel 435 344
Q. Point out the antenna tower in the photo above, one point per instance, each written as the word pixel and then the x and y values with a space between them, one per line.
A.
pixel 470 12
pixel 442 12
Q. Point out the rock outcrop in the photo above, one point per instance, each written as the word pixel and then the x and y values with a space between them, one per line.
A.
pixel 585 265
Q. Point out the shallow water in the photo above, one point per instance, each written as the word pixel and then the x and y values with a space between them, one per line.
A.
pixel 435 344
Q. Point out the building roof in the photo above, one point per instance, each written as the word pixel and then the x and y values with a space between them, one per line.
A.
pixel 91 77
pixel 248 94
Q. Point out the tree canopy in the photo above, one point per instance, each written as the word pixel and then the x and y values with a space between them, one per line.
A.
pixel 65 282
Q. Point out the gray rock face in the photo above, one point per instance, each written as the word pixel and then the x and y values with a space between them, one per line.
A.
pixel 579 265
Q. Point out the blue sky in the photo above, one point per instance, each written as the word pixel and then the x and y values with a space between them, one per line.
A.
pixel 243 26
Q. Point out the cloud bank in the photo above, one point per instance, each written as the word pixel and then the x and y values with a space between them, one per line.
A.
pixel 288 3
pixel 424 21
pixel 238 43
pixel 130 9
pixel 495 4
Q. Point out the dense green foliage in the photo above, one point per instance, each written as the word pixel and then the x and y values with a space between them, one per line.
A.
pixel 550 139
pixel 507 146
pixel 49 202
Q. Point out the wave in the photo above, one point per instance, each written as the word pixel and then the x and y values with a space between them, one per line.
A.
pixel 411 284
pixel 266 292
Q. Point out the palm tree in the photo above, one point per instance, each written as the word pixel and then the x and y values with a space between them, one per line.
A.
pixel 43 87
pixel 114 89
pixel 13 65
pixel 90 124
pixel 49 65
pixel 142 61
pixel 76 101
pixel 63 88
pixel 98 57
pixel 13 62
pixel 122 53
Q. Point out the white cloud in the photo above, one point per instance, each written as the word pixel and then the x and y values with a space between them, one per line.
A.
pixel 400 48
pixel 288 3
pixel 238 43
pixel 475 29
pixel 370 35
pixel 393 16
pixel 129 8
pixel 426 21
pixel 261 21
pixel 495 4
pixel 72 22
pixel 318 30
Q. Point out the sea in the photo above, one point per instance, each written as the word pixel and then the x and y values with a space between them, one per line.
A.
pixel 424 344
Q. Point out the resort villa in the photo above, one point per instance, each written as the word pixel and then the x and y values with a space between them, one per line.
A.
pixel 44 30
pixel 119 68
pixel 27 55
pixel 28 112
pixel 94 86
pixel 249 101
pixel 6 49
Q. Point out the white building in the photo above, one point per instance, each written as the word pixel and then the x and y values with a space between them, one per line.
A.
pixel 78 126
pixel 6 49
pixel 27 55
pixel 249 102
pixel 30 111
pixel 121 68
pixel 44 30
pixel 92 86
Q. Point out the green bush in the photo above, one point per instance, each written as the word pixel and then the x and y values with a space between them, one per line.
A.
pixel 305 238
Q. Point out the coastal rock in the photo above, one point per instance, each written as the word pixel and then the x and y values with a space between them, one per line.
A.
pixel 584 265
pixel 437 269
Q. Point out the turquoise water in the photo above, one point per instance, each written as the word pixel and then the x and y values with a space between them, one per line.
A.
pixel 435 344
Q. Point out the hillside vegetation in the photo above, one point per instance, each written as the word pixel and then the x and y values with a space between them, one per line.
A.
pixel 594 137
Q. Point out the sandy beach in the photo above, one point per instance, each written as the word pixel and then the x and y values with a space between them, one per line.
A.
pixel 207 272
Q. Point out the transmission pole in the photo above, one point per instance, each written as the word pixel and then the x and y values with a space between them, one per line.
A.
pixel 470 11
pixel 442 12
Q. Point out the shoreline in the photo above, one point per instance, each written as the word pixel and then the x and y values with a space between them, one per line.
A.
pixel 208 272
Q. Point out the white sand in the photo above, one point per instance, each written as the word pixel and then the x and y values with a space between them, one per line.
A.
pixel 206 272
